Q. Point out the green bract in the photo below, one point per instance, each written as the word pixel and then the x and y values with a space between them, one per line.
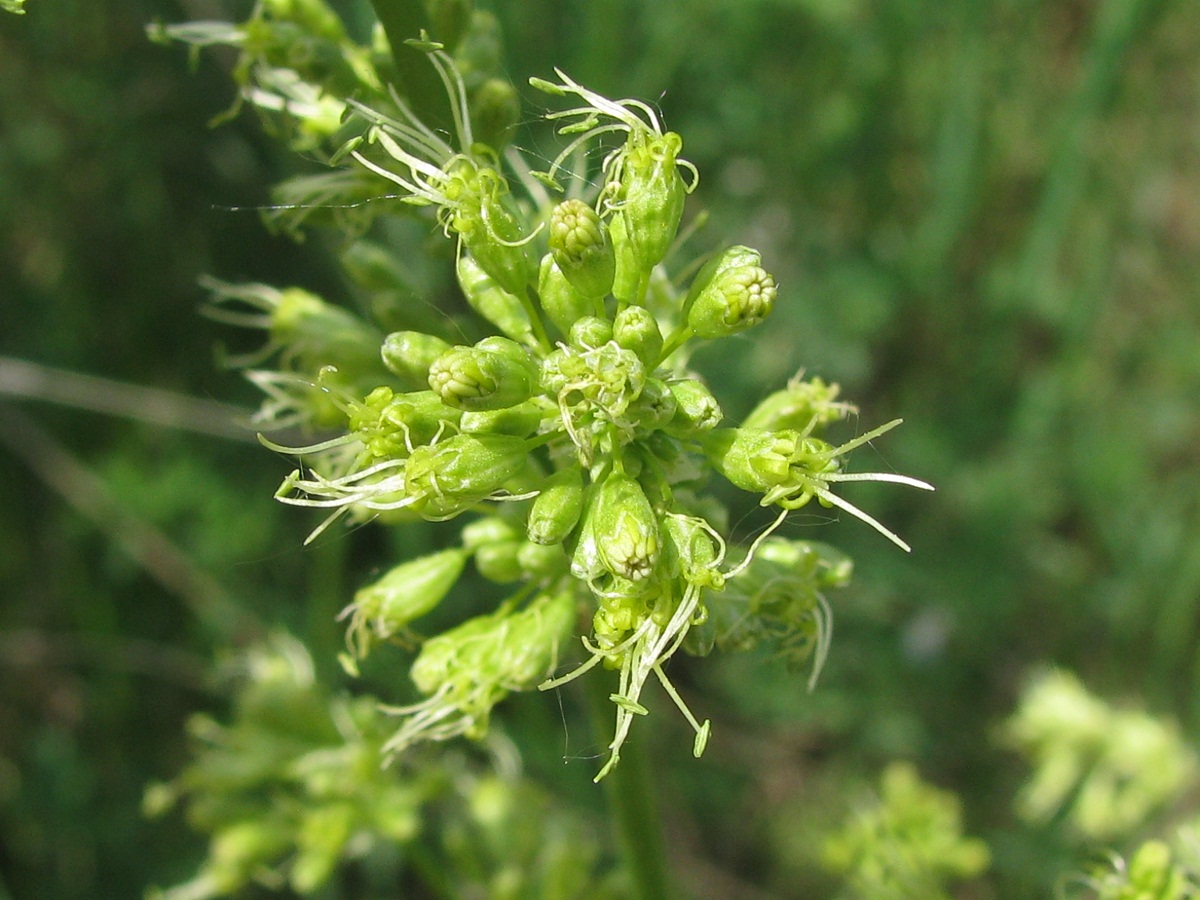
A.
pixel 579 463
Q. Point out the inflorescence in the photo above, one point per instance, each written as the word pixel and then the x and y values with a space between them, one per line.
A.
pixel 575 436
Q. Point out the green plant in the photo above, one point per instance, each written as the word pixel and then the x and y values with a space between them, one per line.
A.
pixel 574 436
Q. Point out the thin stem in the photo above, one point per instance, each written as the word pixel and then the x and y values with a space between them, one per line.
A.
pixel 630 795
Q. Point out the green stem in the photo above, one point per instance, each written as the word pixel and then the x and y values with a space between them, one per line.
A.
pixel 631 803
pixel 535 321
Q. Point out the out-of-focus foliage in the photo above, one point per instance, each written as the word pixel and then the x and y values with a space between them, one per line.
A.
pixel 1154 873
pixel 906 845
pixel 295 787
pixel 1103 770
pixel 983 215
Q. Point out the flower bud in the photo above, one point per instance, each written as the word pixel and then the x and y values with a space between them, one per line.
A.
pixel 636 329
pixel 730 294
pixel 498 562
pixel 407 592
pixel 467 670
pixel 696 409
pixel 805 406
pixel 488 530
pixel 409 354
pixel 753 460
pixel 579 244
pixel 492 302
pixel 472 378
pixel 589 333
pixel 557 508
pixel 561 301
pixel 521 420
pixel 495 111
pixel 489 228
pixel 626 529
pixel 542 563
pixel 447 478
pixel 652 194
pixel 629 273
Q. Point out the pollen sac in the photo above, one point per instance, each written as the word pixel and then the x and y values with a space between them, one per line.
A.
pixel 626 529
pixel 562 302
pixel 730 294
pixel 557 508
pixel 580 246
pixel 483 377
pixel 409 354
pixel 494 303
pixel 652 194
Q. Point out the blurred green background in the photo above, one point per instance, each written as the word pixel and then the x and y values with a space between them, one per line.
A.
pixel 984 216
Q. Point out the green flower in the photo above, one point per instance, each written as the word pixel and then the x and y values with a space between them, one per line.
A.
pixel 385 608
pixel 465 671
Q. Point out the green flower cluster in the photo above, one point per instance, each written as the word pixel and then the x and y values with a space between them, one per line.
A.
pixel 1104 770
pixel 907 845
pixel 574 433
pixel 1154 873
pixel 293 786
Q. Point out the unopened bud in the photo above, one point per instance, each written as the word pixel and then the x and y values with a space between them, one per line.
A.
pixel 579 244
pixel 626 528
pixel 521 420
pixel 473 378
pixel 495 111
pixel 696 409
pixel 409 354
pixel 496 305
pixel 636 329
pixel 563 304
pixel 730 294
pixel 589 333
pixel 557 508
